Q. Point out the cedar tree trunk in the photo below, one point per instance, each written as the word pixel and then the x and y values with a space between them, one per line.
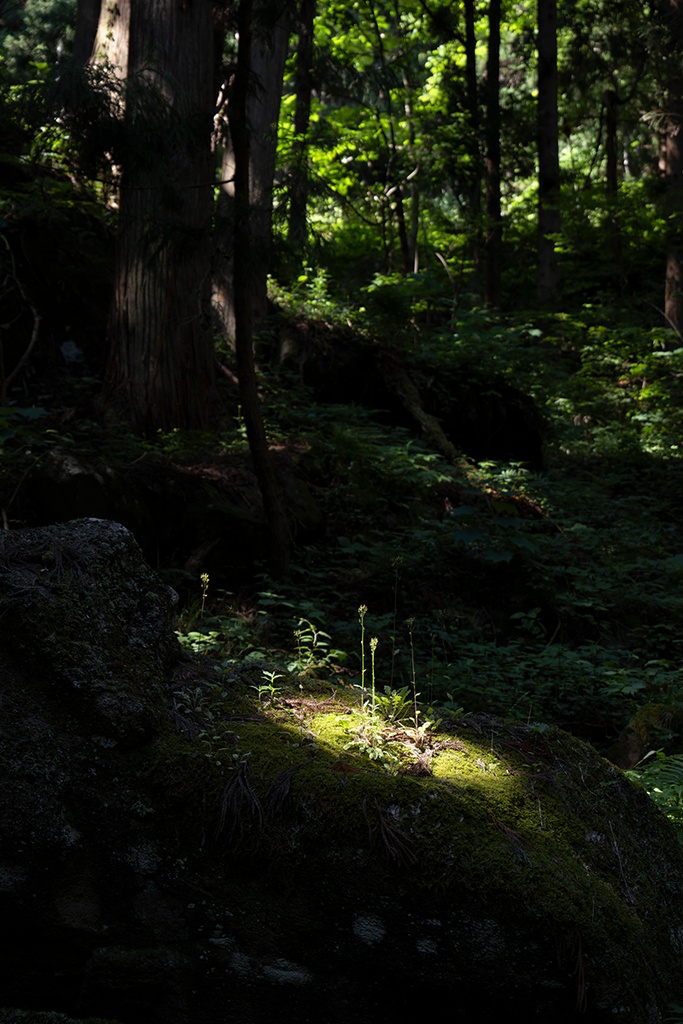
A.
pixel 160 371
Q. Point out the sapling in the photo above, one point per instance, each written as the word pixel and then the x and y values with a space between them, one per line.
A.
pixel 268 689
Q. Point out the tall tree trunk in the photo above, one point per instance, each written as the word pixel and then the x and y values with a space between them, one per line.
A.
pixel 223 297
pixel 278 532
pixel 111 43
pixel 611 103
pixel 474 130
pixel 160 371
pixel 269 53
pixel 394 183
pixel 297 228
pixel 494 227
pixel 549 218
pixel 87 18
pixel 673 290
pixel 673 170
pixel 399 209
pixel 414 175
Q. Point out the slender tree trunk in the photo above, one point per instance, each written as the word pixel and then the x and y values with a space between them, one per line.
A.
pixel 611 174
pixel 269 53
pixel 475 131
pixel 394 182
pixel 297 229
pixel 494 227
pixel 223 298
pixel 399 210
pixel 673 291
pixel 413 177
pixel 611 102
pixel 268 69
pixel 160 371
pixel 673 170
pixel 549 219
pixel 278 532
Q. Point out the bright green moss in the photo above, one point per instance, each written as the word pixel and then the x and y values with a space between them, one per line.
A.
pixel 532 825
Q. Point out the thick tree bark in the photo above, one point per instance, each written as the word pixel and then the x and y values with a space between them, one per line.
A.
pixel 549 219
pixel 494 227
pixel 269 54
pixel 160 371
pixel 244 273
pixel 111 42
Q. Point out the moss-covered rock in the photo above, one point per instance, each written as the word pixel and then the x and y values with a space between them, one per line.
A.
pixel 80 607
pixel 178 847
pixel 522 871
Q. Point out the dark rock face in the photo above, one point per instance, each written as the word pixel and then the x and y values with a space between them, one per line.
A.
pixel 147 875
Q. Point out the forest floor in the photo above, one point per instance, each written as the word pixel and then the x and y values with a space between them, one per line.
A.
pixel 546 595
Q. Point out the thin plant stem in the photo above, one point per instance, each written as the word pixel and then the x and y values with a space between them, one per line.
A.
pixel 361 618
pixel 373 648
pixel 397 563
pixel 410 623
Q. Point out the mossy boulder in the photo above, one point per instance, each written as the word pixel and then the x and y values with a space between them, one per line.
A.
pixel 80 608
pixel 177 846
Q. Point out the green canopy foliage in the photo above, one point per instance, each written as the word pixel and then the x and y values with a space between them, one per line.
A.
pixel 41 30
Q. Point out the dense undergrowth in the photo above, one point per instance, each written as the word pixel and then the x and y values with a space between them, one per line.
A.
pixel 549 597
